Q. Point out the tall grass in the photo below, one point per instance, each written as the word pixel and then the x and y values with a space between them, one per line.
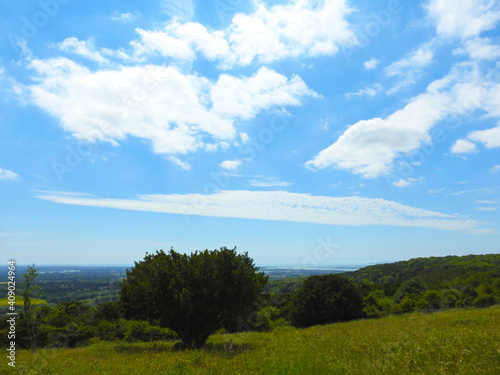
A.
pixel 450 342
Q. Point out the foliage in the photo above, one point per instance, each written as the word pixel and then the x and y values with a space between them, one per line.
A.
pixel 325 299
pixel 143 331
pixel 413 287
pixel 435 272
pixel 31 317
pixel 193 295
pixel 459 342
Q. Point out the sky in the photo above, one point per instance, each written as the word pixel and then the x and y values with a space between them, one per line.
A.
pixel 312 133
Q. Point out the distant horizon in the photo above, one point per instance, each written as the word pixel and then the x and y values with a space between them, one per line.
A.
pixel 269 265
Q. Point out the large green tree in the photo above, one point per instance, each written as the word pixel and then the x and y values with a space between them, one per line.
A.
pixel 325 299
pixel 193 295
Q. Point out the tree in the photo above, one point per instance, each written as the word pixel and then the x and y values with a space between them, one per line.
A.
pixel 413 286
pixel 193 295
pixel 31 292
pixel 325 299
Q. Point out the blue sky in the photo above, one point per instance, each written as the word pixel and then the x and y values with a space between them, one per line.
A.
pixel 311 133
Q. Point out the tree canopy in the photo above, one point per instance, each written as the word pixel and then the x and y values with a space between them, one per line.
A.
pixel 325 299
pixel 193 295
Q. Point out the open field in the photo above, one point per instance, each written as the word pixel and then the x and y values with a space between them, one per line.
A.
pixel 448 342
pixel 20 301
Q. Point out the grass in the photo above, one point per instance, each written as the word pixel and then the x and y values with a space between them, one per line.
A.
pixel 450 342
pixel 20 301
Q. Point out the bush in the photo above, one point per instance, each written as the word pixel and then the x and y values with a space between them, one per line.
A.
pixel 325 299
pixel 376 304
pixel 143 331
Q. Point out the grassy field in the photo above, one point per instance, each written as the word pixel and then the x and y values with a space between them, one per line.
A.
pixel 450 342
pixel 20 301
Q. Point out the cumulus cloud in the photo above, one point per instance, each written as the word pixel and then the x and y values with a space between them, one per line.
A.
pixel 369 147
pixel 281 206
pixel 5 174
pixel 176 112
pixel 463 146
pixel 465 19
pixel 490 138
pixel 495 169
pixel 480 49
pixel 268 34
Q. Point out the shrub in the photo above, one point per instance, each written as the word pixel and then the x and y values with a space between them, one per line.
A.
pixel 325 299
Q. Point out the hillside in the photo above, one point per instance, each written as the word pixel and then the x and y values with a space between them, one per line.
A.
pixel 435 272
pixel 450 342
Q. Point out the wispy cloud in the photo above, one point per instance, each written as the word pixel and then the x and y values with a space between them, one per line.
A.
pixel 281 206
pixel 123 17
pixel 5 174
pixel 366 91
pixel 83 48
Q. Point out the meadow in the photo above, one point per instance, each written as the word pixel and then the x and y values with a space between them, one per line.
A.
pixel 456 341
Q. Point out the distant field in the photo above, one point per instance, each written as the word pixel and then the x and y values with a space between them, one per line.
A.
pixel 20 301
pixel 449 342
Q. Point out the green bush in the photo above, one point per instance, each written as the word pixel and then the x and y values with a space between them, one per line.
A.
pixel 325 299
pixel 143 331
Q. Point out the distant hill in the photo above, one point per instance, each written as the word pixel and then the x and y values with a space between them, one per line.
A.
pixel 434 271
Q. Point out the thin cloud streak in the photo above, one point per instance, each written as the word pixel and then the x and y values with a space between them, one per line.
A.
pixel 281 206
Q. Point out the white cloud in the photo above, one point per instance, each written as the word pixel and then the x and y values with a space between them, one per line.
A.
pixel 256 183
pixel 123 17
pixel 82 48
pixel 290 30
pixel 266 35
pixel 490 138
pixel 409 67
pixel 495 169
pixel 175 112
pixel 464 19
pixel 402 183
pixel 369 147
pixel 5 174
pixel 181 41
pixel 367 91
pixel 371 64
pixel 480 49
pixel 463 146
pixel 413 61
pixel 486 208
pixel 231 164
pixel 282 206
